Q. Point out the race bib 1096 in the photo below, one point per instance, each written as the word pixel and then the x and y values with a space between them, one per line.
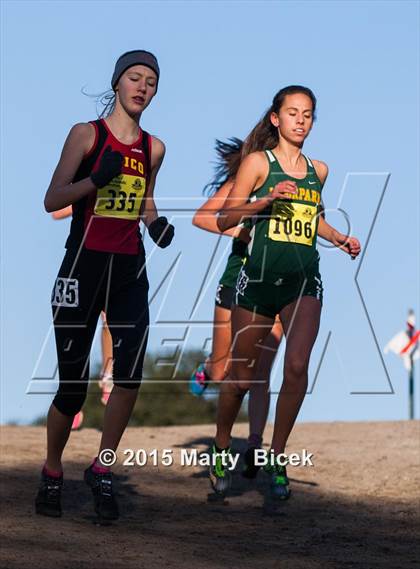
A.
pixel 121 198
pixel 293 223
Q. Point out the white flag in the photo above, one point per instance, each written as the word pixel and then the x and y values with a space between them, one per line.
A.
pixel 405 347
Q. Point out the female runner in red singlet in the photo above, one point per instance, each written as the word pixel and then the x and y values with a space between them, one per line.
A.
pixel 107 171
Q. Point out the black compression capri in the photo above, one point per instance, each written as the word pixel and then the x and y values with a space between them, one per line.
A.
pixel 88 282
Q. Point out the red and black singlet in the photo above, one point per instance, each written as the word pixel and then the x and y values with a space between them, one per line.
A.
pixel 108 219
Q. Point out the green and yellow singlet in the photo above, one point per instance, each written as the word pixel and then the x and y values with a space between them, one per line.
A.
pixel 283 236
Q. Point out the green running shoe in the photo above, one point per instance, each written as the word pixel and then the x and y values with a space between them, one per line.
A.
pixel 279 483
pixel 220 476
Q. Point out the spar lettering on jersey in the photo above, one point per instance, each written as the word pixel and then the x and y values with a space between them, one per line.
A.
pixel 108 219
pixel 304 194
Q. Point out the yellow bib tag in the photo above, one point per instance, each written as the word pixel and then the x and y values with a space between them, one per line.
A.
pixel 293 222
pixel 122 197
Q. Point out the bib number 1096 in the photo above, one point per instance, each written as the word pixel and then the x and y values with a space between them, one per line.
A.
pixel 298 226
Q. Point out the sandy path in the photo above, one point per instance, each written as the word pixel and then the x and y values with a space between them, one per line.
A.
pixel 357 507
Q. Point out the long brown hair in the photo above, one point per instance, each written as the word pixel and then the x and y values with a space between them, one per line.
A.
pixel 227 164
pixel 265 135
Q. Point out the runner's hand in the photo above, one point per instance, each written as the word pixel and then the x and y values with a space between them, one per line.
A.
pixel 282 189
pixel 161 232
pixel 350 245
pixel 109 167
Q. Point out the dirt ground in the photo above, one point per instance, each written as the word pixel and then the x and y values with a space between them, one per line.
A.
pixel 358 506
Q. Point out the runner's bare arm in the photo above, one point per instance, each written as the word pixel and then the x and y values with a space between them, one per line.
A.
pixel 206 216
pixel 350 245
pixel 61 192
pixel 252 172
pixel 321 170
pixel 149 212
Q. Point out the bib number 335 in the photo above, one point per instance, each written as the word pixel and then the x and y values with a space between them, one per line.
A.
pixel 295 226
pixel 121 198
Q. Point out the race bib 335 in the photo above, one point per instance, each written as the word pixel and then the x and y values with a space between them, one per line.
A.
pixel 121 198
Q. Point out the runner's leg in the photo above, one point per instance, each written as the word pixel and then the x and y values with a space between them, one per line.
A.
pixel 216 366
pixel 218 361
pixel 128 321
pixel 249 330
pixel 300 321
pixel 259 395
pixel 106 344
pixel 105 383
pixel 74 327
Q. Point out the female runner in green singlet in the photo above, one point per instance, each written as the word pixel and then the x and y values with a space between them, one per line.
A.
pixel 279 189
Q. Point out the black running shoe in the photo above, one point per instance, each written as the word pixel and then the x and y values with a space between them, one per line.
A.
pixel 250 470
pixel 106 506
pixel 48 499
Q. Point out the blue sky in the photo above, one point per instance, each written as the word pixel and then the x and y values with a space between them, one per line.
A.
pixel 221 63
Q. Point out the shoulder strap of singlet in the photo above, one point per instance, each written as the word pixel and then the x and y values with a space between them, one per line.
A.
pixel 273 163
pixel 310 165
pixel 312 170
pixel 85 168
pixel 101 135
pixel 88 162
pixel 270 156
pixel 147 149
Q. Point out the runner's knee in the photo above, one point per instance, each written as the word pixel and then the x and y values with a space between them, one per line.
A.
pixel 69 403
pixel 244 386
pixel 130 384
pixel 295 366
pixel 242 374
pixel 232 387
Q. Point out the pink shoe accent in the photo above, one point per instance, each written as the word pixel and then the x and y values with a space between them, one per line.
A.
pixel 52 473
pixel 77 421
pixel 97 467
pixel 200 377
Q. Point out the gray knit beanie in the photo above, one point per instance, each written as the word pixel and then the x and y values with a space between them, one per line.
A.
pixel 136 57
